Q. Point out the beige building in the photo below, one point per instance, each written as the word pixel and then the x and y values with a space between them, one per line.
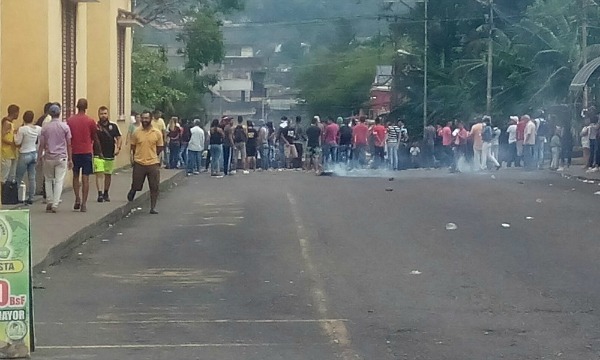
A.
pixel 62 50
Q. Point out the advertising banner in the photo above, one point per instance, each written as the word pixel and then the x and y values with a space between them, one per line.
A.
pixel 16 324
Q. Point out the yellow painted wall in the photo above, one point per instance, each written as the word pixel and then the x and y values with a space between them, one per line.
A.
pixel 24 69
pixel 102 72
pixel 31 56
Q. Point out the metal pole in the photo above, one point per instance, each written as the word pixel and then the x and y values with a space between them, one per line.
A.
pixel 584 46
pixel 425 68
pixel 490 61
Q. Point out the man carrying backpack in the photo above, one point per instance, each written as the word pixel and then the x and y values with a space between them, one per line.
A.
pixel 488 136
pixel 240 138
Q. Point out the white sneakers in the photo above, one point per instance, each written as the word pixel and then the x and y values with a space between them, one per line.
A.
pixel 592 170
pixel 246 172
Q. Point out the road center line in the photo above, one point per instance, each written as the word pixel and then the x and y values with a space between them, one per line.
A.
pixel 219 321
pixel 206 225
pixel 157 346
pixel 335 330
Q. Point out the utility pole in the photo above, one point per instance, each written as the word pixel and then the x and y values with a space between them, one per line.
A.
pixel 584 46
pixel 425 66
pixel 490 60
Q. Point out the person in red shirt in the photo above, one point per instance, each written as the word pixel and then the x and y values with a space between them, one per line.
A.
pixel 379 133
pixel 360 141
pixel 330 141
pixel 84 140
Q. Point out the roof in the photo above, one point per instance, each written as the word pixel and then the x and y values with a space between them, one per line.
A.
pixel 582 77
pixel 383 75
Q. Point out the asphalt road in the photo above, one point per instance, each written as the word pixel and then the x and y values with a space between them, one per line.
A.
pixel 293 266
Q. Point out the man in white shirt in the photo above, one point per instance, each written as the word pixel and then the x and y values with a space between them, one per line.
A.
pixel 195 148
pixel 512 141
pixel 529 143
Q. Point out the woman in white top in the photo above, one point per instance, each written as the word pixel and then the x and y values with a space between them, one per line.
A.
pixel 27 141
pixel 585 142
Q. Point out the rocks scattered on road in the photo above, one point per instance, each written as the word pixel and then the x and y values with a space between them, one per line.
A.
pixel 451 226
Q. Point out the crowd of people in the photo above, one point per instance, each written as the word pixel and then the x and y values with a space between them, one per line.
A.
pixel 79 143
pixel 227 146
pixel 230 145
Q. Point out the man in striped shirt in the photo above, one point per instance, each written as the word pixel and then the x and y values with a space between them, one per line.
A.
pixel 393 136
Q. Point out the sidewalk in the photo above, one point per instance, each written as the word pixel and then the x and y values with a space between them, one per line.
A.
pixel 53 235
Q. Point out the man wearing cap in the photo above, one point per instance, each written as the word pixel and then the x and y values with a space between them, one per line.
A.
pixel 55 152
pixel 84 139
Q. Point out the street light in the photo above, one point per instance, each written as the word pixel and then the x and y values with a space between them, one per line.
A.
pixel 425 60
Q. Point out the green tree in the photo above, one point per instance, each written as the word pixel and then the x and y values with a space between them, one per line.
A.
pixel 203 40
pixel 149 76
pixel 338 83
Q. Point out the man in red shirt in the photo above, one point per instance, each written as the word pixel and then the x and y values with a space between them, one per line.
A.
pixel 84 138
pixel 379 133
pixel 360 141
pixel 330 141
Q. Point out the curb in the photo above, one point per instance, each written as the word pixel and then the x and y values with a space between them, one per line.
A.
pixel 58 252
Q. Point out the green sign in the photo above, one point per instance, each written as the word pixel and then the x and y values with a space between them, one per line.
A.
pixel 16 324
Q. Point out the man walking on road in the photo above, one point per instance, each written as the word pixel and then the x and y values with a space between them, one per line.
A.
pixel 109 136
pixel 146 144
pixel 84 138
pixel 56 156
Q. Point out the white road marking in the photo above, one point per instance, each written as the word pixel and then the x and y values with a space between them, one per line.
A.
pixel 207 225
pixel 158 346
pixel 335 330
pixel 220 321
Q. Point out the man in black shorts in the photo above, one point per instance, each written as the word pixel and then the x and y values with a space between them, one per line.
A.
pixel 84 141
pixel 251 145
pixel 313 148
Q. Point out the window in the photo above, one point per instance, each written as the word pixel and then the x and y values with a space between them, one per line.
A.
pixel 121 35
pixel 69 59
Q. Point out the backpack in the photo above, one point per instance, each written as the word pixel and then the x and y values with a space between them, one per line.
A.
pixel 543 128
pixel 488 134
pixel 239 135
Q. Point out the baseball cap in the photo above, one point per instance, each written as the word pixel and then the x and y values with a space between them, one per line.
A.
pixel 54 110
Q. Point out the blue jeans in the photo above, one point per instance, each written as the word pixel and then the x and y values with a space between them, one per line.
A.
pixel 528 156
pixel 344 154
pixel 193 161
pixel 226 158
pixel 265 157
pixel 215 158
pixel 538 151
pixel 174 155
pixel 393 155
pixel 27 162
pixel 183 154
pixel 330 153
pixel 359 157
